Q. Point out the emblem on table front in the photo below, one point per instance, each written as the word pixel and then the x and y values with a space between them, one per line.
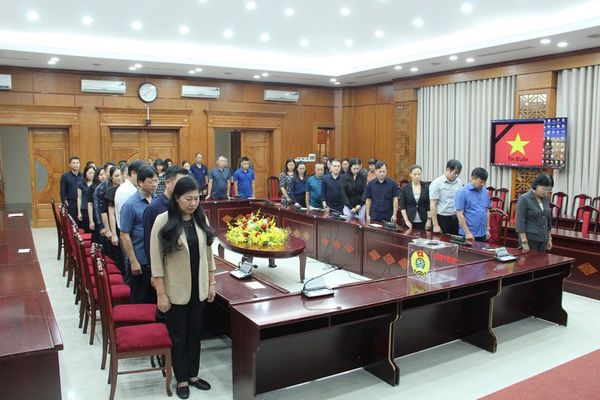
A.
pixel 257 230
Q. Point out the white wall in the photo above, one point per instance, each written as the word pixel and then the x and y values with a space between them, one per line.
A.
pixel 222 144
pixel 15 164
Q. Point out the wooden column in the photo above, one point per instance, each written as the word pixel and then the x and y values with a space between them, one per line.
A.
pixel 405 109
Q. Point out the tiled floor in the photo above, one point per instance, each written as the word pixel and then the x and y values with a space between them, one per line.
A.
pixel 453 371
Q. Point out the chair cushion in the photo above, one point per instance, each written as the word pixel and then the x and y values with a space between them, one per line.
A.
pixel 113 278
pixel 142 337
pixel 112 268
pixel 134 314
pixel 121 294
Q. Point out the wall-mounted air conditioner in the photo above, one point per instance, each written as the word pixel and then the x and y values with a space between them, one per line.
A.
pixel 111 87
pixel 5 82
pixel 282 95
pixel 206 92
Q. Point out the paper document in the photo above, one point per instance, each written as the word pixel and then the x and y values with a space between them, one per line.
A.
pixel 255 285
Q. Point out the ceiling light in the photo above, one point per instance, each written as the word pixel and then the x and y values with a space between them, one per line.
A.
pixel 349 42
pixel 333 80
pixel 132 68
pixel 453 58
pixel 265 37
pixel 345 11
pixel 201 1
pixel 418 22
pixel 336 83
pixel 138 65
pixel 256 76
pixel 51 62
pixel 33 15
pixel 265 74
pixel 545 41
pixel 55 59
pixel 304 42
pixel 136 25
pixel 87 20
pixel 466 8
pixel 470 59
pixel 562 44
pixel 198 69
pixel 228 33
pixel 398 67
pixel 250 5
pixel 289 11
pixel 192 71
pixel 184 29
pixel 379 33
pixel 414 69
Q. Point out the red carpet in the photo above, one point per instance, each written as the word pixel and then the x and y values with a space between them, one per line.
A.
pixel 576 379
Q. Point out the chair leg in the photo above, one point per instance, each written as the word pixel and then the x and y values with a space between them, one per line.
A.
pixel 104 348
pixel 168 368
pixel 81 313
pixel 86 318
pixel 93 325
pixel 114 368
pixel 59 247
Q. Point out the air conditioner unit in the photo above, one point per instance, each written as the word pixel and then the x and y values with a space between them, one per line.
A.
pixel 111 87
pixel 5 82
pixel 206 92
pixel 282 95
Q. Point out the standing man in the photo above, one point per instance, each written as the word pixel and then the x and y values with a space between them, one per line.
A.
pixel 200 172
pixel 332 189
pixel 219 181
pixel 442 192
pixel 243 179
pixel 69 182
pixel 313 188
pixel 128 188
pixel 473 207
pixel 132 236
pixel 381 196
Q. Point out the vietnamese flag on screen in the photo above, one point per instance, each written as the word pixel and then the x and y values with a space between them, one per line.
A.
pixel 519 144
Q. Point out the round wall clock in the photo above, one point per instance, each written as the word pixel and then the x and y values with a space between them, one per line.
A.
pixel 147 92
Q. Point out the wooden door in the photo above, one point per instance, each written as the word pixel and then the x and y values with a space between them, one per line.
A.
pixel 256 146
pixel 142 144
pixel 162 144
pixel 49 159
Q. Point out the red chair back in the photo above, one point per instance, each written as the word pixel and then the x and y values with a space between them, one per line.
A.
pixel 554 214
pixel 589 216
pixel 498 226
pixel 503 194
pixel 561 199
pixel 579 201
pixel 491 191
pixel 106 310
pixel 512 212
pixel 273 188
pixel 497 202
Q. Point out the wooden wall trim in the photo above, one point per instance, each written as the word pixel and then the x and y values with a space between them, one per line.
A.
pixel 30 115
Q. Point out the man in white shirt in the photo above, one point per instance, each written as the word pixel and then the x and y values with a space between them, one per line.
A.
pixel 442 192
pixel 128 188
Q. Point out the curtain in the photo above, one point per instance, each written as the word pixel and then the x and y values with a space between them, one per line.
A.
pixel 454 122
pixel 578 99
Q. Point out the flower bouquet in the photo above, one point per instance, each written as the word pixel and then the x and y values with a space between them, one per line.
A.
pixel 257 230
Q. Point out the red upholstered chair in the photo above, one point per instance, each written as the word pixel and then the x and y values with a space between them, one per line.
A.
pixel 561 199
pixel 133 341
pixel 503 194
pixel 273 188
pixel 498 226
pixel 59 235
pixel 589 217
pixel 579 201
pixel 554 213
pixel 401 183
pixel 596 202
pixel 69 256
pixel 497 202
pixel 512 212
pixel 491 191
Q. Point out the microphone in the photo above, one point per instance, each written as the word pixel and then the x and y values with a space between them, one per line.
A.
pixel 317 287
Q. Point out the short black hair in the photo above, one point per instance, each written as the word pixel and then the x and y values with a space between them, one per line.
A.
pixel 415 166
pixel 353 162
pixel 145 172
pixel 175 170
pixel 372 161
pixel 541 180
pixel 453 165
pixel 158 162
pixel 244 158
pixel 356 159
pixel 73 158
pixel 480 173
pixel 135 166
pixel 379 164
pixel 168 160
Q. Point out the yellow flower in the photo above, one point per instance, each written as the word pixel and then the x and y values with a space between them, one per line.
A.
pixel 257 230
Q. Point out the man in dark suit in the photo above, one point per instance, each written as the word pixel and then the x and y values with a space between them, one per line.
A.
pixel 534 221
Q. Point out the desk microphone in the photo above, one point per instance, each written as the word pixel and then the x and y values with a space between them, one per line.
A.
pixel 317 287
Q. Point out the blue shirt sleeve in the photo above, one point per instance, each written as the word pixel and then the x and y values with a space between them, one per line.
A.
pixel 460 200
pixel 236 175
pixel 127 217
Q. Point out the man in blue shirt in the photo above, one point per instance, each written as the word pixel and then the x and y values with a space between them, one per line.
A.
pixel 69 182
pixel 473 207
pixel 313 187
pixel 243 179
pixel 200 172
pixel 219 181
pixel 332 189
pixel 132 236
pixel 381 196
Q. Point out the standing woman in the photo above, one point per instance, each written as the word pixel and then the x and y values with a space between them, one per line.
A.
pixel 186 164
pixel 84 196
pixel 345 167
pixel 414 201
pixel 285 181
pixel 533 216
pixel 109 217
pixel 298 190
pixel 354 188
pixel 99 178
pixel 159 167
pixel 183 271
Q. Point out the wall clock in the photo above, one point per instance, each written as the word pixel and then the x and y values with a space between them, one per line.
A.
pixel 147 92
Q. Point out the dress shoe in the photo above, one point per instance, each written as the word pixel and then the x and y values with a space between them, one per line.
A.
pixel 200 384
pixel 183 392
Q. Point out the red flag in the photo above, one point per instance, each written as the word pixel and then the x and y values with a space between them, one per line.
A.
pixel 519 144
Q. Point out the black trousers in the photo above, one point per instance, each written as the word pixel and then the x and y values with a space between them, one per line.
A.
pixel 537 246
pixel 418 225
pixel 481 239
pixel 448 223
pixel 72 208
pixel 184 323
pixel 142 291
pixel 85 221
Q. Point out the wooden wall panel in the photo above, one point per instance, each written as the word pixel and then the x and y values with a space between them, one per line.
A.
pixel 364 123
pixel 16 98
pixel 365 95
pixel 47 99
pixel 384 134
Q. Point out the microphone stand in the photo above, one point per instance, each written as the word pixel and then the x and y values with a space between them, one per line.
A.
pixel 322 291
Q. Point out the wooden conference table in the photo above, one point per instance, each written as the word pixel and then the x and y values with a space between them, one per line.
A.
pixel 30 342
pixel 281 339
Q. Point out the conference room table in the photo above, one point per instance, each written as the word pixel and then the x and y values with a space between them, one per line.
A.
pixel 281 339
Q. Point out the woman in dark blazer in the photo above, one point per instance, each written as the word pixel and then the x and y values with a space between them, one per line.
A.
pixel 533 216
pixel 414 201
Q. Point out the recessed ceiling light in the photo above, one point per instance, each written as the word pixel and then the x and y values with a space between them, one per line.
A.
pixel 54 59
pixel 398 67
pixel 414 69
pixel 138 65
pixel 33 15
pixel 333 80
pixel 562 44
pixel 228 33
pixel 265 74
pixel 379 33
pixel 265 37
pixel 345 11
pixel 289 11
pixel 256 76
pixel 198 69
pixel 132 68
pixel 469 59
pixel 87 20
pixel 336 83
pixel 304 42
pixel 250 5
pixel 192 71
pixel 466 8
pixel 136 25
pixel 545 41
pixel 184 29
pixel 453 58
pixel 51 62
pixel 349 42
pixel 201 1
pixel 418 22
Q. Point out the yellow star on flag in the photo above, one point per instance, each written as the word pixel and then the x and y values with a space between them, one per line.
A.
pixel 518 144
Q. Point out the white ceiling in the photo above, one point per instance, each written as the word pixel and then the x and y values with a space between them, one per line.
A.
pixel 494 31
